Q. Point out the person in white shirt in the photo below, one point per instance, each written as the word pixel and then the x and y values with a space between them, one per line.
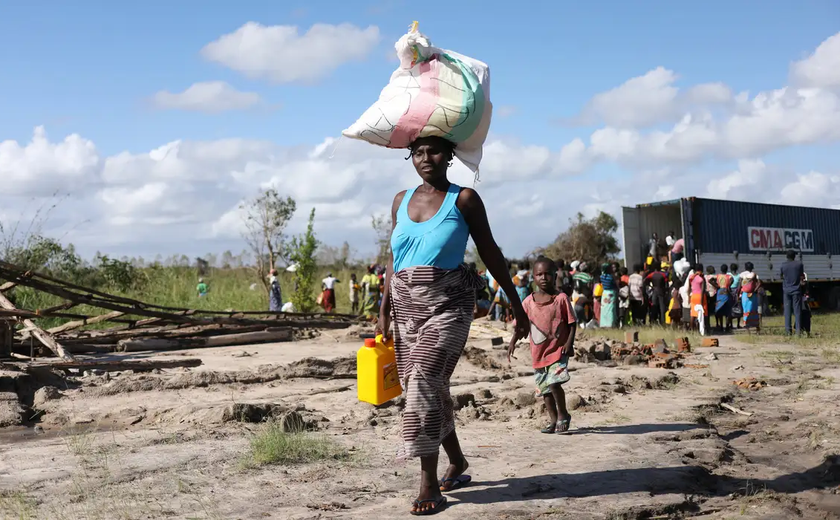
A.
pixel 328 296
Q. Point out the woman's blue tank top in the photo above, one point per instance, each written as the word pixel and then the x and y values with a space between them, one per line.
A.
pixel 440 241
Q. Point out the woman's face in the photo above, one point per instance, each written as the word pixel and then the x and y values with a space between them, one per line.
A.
pixel 431 158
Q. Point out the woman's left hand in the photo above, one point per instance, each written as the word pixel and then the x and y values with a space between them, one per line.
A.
pixel 523 324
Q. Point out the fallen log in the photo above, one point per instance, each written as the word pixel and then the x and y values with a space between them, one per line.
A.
pixel 72 325
pixel 119 364
pixel 112 338
pixel 6 286
pixel 226 340
pixel 39 333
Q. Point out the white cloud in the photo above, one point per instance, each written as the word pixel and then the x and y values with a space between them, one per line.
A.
pixel 651 99
pixel 639 101
pixel 750 173
pixel 279 53
pixel 208 96
pixel 41 167
pixel 812 188
pixel 822 68
pixel 186 193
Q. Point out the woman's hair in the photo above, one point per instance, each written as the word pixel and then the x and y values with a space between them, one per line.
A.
pixel 448 145
pixel 748 266
pixel 724 269
pixel 733 268
pixel 698 268
pixel 710 269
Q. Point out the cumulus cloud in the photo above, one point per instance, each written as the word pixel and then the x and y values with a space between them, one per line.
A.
pixel 283 55
pixel 822 68
pixel 714 144
pixel 41 167
pixel 650 99
pixel 750 173
pixel 208 96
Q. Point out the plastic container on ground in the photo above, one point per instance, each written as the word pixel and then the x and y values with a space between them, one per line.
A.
pixel 376 372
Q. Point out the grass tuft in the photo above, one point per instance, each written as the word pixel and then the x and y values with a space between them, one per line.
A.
pixel 15 505
pixel 272 445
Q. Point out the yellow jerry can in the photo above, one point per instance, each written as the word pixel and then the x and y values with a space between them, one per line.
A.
pixel 376 372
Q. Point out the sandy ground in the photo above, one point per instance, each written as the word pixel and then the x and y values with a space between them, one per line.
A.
pixel 646 443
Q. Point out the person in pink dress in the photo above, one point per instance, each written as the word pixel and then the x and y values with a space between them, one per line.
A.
pixel 552 343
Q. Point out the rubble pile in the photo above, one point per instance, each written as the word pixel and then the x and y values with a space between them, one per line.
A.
pixel 655 355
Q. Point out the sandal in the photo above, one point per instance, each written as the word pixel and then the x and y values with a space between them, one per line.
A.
pixel 564 425
pixel 439 504
pixel 551 428
pixel 451 484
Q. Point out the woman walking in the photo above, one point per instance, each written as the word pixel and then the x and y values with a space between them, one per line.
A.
pixel 609 298
pixel 430 295
pixel 699 306
pixel 750 284
pixel 723 301
pixel 370 285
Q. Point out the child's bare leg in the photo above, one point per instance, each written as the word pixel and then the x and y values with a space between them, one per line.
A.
pixel 560 398
pixel 551 408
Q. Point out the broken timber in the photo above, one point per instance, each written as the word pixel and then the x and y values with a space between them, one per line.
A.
pixel 39 333
pixel 146 326
pixel 119 364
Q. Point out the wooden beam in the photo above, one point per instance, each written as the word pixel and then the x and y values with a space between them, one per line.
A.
pixel 39 333
pixel 71 325
pixel 119 364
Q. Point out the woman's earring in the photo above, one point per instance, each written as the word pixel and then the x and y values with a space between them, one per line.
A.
pixel 449 164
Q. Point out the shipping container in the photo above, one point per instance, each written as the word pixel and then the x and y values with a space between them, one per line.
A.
pixel 719 232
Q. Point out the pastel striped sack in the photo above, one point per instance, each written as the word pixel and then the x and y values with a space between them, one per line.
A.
pixel 434 92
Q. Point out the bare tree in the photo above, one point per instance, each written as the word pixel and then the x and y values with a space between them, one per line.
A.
pixel 382 226
pixel 266 217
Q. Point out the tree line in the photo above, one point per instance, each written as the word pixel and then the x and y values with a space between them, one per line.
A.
pixel 265 218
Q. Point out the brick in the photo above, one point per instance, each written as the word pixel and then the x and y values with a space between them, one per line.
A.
pixel 631 337
pixel 683 345
pixel 660 346
pixel 710 342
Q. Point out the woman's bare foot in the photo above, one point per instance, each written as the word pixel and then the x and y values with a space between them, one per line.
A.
pixel 427 499
pixel 452 473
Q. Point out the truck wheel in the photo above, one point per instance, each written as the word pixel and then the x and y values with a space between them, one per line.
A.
pixel 834 299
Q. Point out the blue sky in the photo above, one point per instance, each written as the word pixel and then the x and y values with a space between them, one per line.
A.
pixel 92 69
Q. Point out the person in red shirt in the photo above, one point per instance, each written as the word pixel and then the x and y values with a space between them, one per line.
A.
pixel 552 338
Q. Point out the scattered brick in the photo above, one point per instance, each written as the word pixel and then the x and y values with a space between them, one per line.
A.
pixel 631 337
pixel 683 345
pixel 710 342
pixel 749 383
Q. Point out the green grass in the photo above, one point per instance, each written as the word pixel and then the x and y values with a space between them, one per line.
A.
pixel 176 287
pixel 15 505
pixel 272 445
pixel 825 331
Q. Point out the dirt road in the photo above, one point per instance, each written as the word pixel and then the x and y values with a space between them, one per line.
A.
pixel 646 443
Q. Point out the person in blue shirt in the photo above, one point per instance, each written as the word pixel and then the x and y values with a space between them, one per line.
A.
pixel 430 295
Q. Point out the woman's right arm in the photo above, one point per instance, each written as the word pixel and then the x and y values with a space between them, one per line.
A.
pixel 384 324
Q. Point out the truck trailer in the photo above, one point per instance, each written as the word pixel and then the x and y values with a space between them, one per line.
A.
pixel 719 232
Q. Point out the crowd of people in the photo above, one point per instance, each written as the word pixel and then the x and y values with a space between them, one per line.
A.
pixel 667 290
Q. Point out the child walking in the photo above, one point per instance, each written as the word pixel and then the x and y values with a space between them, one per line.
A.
pixel 552 343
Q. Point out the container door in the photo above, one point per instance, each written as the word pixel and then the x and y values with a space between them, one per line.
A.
pixel 632 237
pixel 688 229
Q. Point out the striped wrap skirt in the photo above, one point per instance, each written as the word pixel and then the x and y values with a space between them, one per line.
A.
pixel 432 310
